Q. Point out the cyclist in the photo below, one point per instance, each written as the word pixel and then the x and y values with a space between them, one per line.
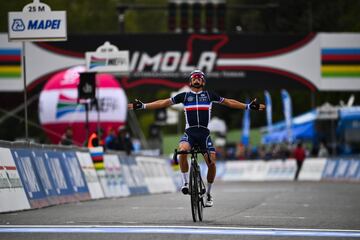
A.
pixel 197 106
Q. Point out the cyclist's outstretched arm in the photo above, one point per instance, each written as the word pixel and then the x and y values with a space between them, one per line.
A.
pixel 162 103
pixel 253 105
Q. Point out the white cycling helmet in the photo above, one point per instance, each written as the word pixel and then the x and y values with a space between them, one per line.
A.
pixel 197 72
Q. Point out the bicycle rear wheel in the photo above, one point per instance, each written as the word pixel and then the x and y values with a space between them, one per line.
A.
pixel 194 194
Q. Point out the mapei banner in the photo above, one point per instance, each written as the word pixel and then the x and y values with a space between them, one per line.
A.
pixel 322 61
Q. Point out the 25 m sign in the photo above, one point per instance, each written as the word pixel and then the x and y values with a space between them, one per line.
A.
pixel 37 23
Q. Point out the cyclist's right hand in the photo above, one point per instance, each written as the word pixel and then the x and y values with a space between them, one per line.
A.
pixel 137 104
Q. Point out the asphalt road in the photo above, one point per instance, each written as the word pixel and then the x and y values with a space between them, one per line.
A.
pixel 272 210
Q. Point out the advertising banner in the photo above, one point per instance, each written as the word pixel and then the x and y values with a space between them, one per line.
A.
pixel 353 172
pixel 287 108
pixel 107 58
pixel 30 179
pixel 115 181
pixel 245 135
pixel 75 175
pixel 281 170
pixel 91 177
pixel 59 107
pixel 43 171
pixel 133 176
pixel 157 174
pixel 312 169
pixel 61 182
pixel 12 193
pixel 37 22
pixel 268 104
pixel 321 61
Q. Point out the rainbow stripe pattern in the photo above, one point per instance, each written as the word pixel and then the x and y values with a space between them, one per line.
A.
pixel 67 105
pixel 10 63
pixel 340 62
pixel 97 62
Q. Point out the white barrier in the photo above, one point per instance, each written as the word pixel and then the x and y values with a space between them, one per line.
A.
pixel 278 170
pixel 157 174
pixel 312 169
pixel 91 177
pixel 12 193
pixel 115 183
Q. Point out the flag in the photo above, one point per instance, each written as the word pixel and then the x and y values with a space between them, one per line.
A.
pixel 246 127
pixel 286 99
pixel 268 111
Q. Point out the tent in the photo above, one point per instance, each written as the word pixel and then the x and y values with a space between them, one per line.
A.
pixel 303 127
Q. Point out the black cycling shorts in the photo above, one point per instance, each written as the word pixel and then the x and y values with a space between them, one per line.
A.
pixel 198 136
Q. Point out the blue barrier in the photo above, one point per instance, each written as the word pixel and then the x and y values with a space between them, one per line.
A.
pixel 61 182
pixel 354 170
pixel 330 169
pixel 30 179
pixel 342 169
pixel 75 175
pixel 45 176
pixel 133 176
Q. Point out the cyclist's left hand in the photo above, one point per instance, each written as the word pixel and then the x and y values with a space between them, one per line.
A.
pixel 254 105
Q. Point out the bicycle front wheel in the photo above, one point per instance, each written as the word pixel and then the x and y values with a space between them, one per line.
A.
pixel 200 197
pixel 194 193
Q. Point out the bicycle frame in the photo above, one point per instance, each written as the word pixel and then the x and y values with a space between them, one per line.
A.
pixel 196 186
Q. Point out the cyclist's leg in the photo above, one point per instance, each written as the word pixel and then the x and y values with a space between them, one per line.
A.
pixel 211 162
pixel 184 166
pixel 184 145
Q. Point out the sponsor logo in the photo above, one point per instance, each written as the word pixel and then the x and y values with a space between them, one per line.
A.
pixel 100 62
pixel 67 105
pixel 190 98
pixel 172 61
pixel 18 25
pixel 44 24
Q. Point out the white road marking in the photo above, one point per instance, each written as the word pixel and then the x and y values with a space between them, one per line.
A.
pixel 280 217
pixel 166 208
pixel 193 230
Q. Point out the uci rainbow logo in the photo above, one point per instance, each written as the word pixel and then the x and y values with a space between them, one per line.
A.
pixel 67 105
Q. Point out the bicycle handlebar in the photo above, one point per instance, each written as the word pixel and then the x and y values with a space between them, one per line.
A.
pixel 192 151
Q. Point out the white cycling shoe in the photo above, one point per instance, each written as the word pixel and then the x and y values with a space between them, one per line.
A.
pixel 209 201
pixel 185 189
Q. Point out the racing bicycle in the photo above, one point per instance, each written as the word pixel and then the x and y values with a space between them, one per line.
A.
pixel 197 188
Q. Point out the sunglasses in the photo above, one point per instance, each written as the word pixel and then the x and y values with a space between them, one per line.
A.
pixel 197 76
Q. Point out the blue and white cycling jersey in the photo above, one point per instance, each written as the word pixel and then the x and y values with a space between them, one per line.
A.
pixel 197 107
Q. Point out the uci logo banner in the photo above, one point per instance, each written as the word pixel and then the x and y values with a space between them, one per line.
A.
pixel 37 23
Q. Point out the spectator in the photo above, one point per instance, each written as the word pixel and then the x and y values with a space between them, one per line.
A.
pixel 67 137
pixel 124 140
pixel 323 152
pixel 111 140
pixel 299 155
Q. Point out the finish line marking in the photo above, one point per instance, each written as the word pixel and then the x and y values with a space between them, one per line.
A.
pixel 180 230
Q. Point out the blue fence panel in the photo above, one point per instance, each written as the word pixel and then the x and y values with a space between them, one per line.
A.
pixel 30 178
pixel 353 172
pixel 342 168
pixel 133 176
pixel 72 170
pixel 137 175
pixel 45 176
pixel 330 169
pixel 61 179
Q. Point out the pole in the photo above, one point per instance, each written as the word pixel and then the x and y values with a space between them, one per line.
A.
pixel 98 117
pixel 87 120
pixel 25 91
